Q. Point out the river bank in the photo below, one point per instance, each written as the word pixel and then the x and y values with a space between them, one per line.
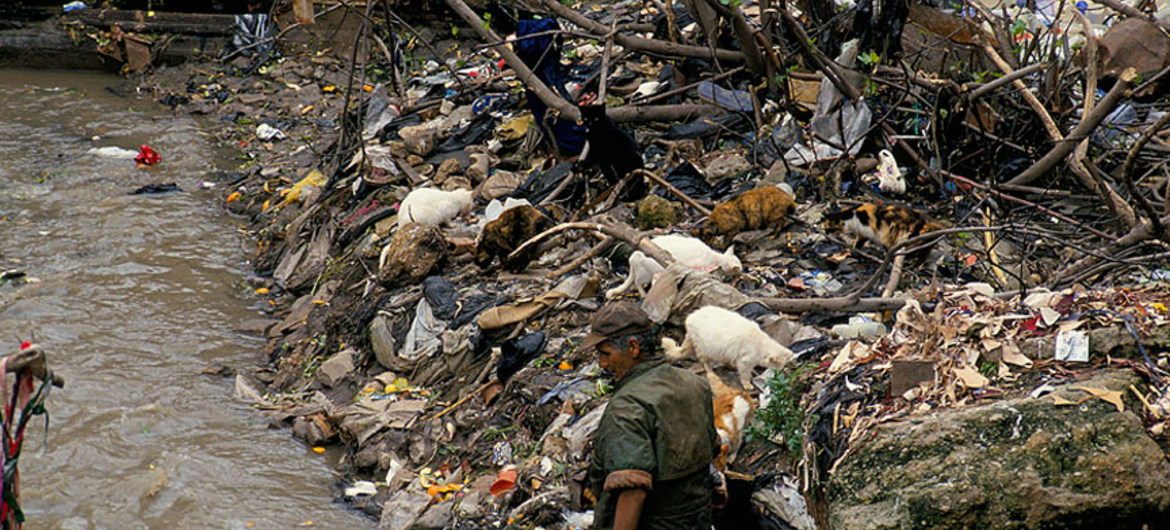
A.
pixel 456 392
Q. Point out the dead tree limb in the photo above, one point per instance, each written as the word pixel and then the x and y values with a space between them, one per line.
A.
pixel 687 88
pixel 1133 12
pixel 566 109
pixel 1017 200
pixel 603 81
pixel 526 76
pixel 617 231
pixel 1078 165
pixel 580 260
pixel 1008 78
pixel 1029 97
pixel 895 276
pixel 853 302
pixel 1141 233
pixel 860 305
pixel 1081 131
pixel 674 191
pixel 654 47
pixel 683 111
pixel 1128 168
pixel 744 35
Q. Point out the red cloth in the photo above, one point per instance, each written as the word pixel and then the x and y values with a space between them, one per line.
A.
pixel 147 156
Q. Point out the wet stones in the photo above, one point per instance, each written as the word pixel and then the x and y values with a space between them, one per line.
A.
pixel 657 212
pixel 1020 463
pixel 382 341
pixel 411 255
pixel 336 368
pixel 500 184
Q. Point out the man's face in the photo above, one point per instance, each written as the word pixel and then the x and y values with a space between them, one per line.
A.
pixel 617 361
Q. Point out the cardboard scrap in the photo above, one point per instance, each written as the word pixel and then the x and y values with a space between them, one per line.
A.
pixel 1058 400
pixel 852 351
pixel 1049 316
pixel 971 377
pixel 1104 394
pixel 905 375
pixel 1012 355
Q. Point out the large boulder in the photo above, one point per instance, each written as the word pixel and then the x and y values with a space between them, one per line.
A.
pixel 411 255
pixel 1020 463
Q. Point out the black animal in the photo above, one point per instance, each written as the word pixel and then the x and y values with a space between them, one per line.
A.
pixel 505 234
pixel 612 151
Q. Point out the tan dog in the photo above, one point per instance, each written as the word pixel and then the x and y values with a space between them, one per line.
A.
pixel 759 209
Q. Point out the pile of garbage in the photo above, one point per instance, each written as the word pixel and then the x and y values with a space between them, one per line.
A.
pixel 438 220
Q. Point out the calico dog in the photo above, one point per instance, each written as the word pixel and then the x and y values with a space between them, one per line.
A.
pixel 763 208
pixel 503 235
pixel 612 151
pixel 882 224
pixel 733 413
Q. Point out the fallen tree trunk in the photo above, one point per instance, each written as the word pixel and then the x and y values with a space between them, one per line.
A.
pixel 843 304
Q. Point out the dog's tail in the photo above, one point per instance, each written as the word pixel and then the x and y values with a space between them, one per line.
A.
pixel 674 352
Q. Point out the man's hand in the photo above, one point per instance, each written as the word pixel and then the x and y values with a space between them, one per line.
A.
pixel 629 509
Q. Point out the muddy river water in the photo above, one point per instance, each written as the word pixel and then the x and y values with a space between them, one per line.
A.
pixel 136 295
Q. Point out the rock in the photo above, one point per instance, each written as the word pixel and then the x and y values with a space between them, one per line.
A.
pixel 382 341
pixel 1020 463
pixel 1134 43
pixel 256 326
pixel 456 183
pixel 726 166
pixel 436 518
pixel 368 457
pixel 336 368
pixel 419 139
pixel 470 505
pixel 448 168
pixel 657 212
pixel 411 255
pixel 777 174
pixel 480 164
pixel 403 509
pixel 314 429
pixel 501 183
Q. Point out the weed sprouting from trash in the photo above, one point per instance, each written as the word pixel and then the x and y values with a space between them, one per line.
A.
pixel 783 416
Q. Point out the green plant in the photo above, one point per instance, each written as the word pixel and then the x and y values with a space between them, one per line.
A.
pixel 1019 27
pixel 601 388
pixel 869 58
pixel 783 415
pixel 989 369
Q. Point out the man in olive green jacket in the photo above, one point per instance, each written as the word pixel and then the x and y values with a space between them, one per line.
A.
pixel 653 448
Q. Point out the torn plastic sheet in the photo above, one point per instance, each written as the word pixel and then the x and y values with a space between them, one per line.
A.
pixel 842 122
pixel 423 338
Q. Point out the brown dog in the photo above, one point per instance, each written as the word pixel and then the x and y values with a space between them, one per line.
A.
pixel 759 209
pixel 502 236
